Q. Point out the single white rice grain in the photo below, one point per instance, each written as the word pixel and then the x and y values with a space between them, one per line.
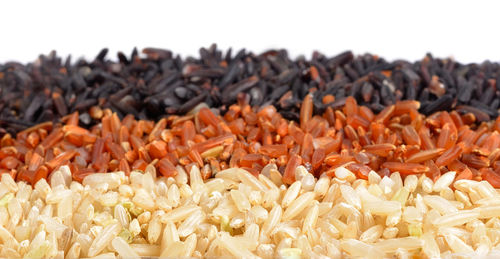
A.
pixel 246 178
pixel 276 177
pixel 430 248
pixel 311 218
pixel 391 245
pixel 189 245
pixel 112 179
pixel 273 219
pixel 393 219
pixel 24 192
pixel 488 211
pixel 427 184
pixel 463 198
pixel 344 174
pixel 383 207
pixel 401 195
pixel 144 200
pixel 215 185
pixel 300 172
pixel 170 235
pixel 173 196
pixel 479 234
pixel 291 194
pixel 411 182
pixel 122 215
pixel 358 248
pixel 57 194
pixel 252 235
pixel 447 193
pixel 154 230
pixel 373 177
pixel 351 230
pixel 255 197
pixel 103 239
pixel 390 232
pixel 298 205
pixel 457 245
pixel 52 225
pixel 229 174
pixel 372 234
pixel 179 214
pixel 126 190
pixel 260 214
pixel 185 191
pixel 56 178
pixel 123 248
pixel 146 250
pixel 486 190
pixel 8 182
pixel 240 200
pixel 191 223
pixel 182 176
pixel 332 193
pixel 109 199
pixel 149 177
pixel 175 249
pixel 412 214
pixel 134 227
pixel 15 211
pixel 267 182
pixel 74 251
pixel 368 220
pixel 321 186
pixel 474 196
pixel 267 168
pixel 444 181
pixel 456 218
pixel 350 196
pixel 233 246
pixel 329 229
pixel 398 181
pixel 85 243
pixel 266 251
pixel 377 191
pixel 270 198
pixel 440 204
pixel 482 250
pixel 308 182
pixel 195 179
pixel 3 189
pixel 8 239
pixel 324 208
pixel 386 185
pixel 144 217
pixel 65 208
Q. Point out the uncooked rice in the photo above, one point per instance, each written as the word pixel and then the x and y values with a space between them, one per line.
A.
pixel 238 215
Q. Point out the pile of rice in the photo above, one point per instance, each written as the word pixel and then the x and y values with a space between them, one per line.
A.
pixel 237 214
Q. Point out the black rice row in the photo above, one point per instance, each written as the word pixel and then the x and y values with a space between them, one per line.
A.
pixel 158 82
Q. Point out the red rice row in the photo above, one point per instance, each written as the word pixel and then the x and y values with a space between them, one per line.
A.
pixel 398 139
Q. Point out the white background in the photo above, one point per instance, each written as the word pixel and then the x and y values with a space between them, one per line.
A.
pixel 468 30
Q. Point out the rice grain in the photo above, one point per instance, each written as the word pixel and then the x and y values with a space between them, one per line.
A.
pixel 123 248
pixel 103 239
pixel 298 205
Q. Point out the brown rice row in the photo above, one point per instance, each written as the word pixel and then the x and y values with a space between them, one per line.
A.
pixel 238 215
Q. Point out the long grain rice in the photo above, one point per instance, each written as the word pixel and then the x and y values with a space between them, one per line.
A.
pixel 239 215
